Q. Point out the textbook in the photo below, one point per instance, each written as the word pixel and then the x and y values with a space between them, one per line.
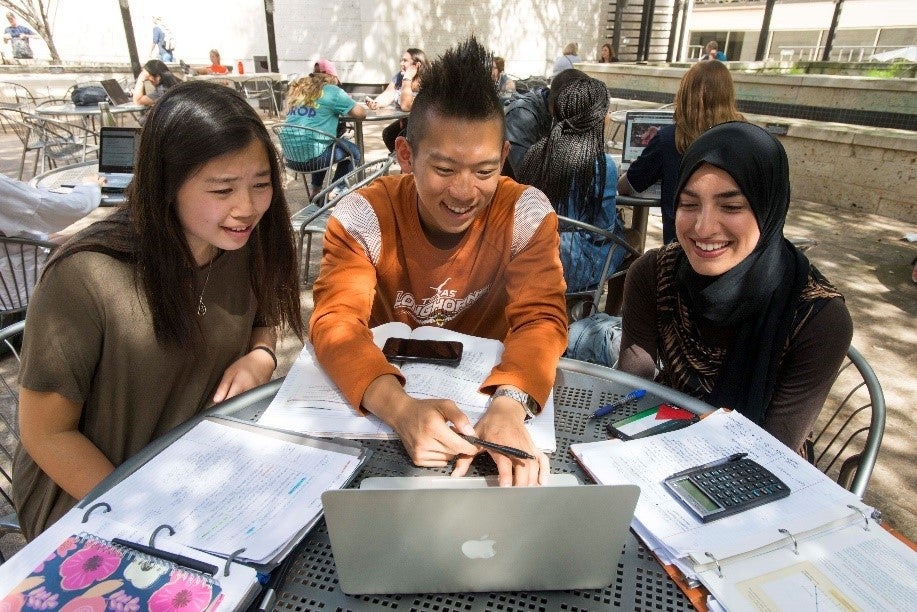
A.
pixel 819 542
pixel 309 402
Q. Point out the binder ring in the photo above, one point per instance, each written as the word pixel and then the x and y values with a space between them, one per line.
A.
pixel 152 542
pixel 719 570
pixel 787 533
pixel 91 508
pixel 230 559
pixel 861 513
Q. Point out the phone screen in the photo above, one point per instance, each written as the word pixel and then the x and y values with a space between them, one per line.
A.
pixel 432 351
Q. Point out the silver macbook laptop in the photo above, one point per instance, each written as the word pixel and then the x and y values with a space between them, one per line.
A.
pixel 116 94
pixel 639 129
pixel 117 152
pixel 483 538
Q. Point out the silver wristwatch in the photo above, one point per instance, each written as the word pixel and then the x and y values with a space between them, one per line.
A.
pixel 530 406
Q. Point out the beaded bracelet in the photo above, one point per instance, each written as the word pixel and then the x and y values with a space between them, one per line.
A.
pixel 269 352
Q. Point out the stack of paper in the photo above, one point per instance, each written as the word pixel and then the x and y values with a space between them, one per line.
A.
pixel 309 402
pixel 757 545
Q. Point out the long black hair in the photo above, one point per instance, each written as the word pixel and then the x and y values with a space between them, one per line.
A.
pixel 190 125
pixel 568 164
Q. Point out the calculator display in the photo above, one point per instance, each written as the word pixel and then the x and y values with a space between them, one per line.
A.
pixel 714 491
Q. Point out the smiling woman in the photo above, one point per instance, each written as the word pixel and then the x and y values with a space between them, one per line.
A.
pixel 736 315
pixel 173 302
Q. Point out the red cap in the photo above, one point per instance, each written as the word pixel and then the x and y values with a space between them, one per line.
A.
pixel 325 66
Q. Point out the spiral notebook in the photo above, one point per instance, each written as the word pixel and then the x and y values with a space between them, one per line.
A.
pixel 93 573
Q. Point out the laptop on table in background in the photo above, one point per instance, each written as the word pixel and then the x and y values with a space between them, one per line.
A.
pixel 117 153
pixel 480 538
pixel 116 94
pixel 639 129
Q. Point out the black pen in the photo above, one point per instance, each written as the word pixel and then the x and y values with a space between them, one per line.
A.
pixel 188 562
pixel 71 186
pixel 729 459
pixel 509 451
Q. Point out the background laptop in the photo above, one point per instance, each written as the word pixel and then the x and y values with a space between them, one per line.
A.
pixel 639 129
pixel 488 538
pixel 117 152
pixel 116 94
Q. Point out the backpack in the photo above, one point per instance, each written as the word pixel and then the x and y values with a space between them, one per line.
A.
pixel 595 339
pixel 88 95
pixel 168 39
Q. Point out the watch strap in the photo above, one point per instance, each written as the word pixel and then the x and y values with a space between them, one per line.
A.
pixel 530 406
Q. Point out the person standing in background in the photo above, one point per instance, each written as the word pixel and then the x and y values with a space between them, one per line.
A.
pixel 163 41
pixel 18 36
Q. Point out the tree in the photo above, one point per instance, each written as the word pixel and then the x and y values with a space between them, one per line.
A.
pixel 35 14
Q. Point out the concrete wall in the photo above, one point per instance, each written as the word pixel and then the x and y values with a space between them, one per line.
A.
pixel 817 90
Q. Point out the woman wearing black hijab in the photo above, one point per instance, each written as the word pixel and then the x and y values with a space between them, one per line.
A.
pixel 735 314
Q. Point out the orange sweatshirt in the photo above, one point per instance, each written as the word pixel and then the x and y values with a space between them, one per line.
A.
pixel 503 280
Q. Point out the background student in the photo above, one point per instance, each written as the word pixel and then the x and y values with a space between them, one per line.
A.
pixel 401 90
pixel 705 97
pixel 450 243
pixel 171 303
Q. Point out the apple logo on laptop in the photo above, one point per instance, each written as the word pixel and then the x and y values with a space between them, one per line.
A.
pixel 479 549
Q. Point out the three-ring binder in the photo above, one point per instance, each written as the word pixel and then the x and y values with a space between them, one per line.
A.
pixel 149 552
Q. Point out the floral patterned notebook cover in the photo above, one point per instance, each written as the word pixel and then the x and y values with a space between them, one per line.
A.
pixel 88 574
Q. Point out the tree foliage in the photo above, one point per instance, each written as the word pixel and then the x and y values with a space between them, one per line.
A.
pixel 34 13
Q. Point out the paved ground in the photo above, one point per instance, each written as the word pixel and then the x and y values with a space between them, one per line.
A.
pixel 863 254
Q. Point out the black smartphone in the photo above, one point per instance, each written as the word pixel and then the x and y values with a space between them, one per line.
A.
pixel 445 352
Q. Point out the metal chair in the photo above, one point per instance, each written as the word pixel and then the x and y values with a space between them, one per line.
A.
pixel 9 440
pixel 313 218
pixel 54 142
pixel 583 297
pixel 21 262
pixel 293 144
pixel 850 432
pixel 259 89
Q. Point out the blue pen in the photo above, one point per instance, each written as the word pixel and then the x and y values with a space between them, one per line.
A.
pixel 633 395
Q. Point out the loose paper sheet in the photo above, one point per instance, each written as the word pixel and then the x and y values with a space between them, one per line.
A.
pixel 309 402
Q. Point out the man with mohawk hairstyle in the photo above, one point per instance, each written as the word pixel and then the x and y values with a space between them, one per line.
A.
pixel 451 243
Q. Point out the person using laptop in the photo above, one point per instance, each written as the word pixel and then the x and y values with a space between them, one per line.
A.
pixel 454 244
pixel 736 315
pixel 705 97
pixel 173 302
pixel 154 80
pixel 32 212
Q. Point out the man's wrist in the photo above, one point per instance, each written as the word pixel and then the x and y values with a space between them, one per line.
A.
pixel 529 406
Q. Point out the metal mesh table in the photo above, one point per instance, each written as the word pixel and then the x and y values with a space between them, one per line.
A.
pixel 640 584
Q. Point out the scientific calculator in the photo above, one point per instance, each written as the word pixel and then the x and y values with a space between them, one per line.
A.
pixel 725 487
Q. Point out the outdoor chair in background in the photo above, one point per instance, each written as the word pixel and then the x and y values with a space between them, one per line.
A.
pixel 313 218
pixel 258 90
pixel 15 97
pixel 584 302
pixel 849 431
pixel 9 437
pixel 54 142
pixel 21 263
pixel 293 145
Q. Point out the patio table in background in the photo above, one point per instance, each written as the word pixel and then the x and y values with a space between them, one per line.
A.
pixel 382 114
pixel 75 174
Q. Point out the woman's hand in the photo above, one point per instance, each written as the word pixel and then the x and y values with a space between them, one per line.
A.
pixel 247 372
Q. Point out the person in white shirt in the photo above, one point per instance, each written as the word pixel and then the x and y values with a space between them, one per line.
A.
pixel 31 212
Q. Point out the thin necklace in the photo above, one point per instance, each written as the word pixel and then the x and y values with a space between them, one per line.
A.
pixel 201 309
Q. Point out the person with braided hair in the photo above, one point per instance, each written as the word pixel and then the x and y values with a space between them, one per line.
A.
pixel 571 167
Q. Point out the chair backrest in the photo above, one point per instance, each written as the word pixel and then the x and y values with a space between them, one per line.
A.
pixel 9 435
pixel 851 425
pixel 21 262
pixel 63 142
pixel 588 263
pixel 15 95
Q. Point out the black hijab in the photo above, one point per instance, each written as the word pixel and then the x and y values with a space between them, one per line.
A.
pixel 760 295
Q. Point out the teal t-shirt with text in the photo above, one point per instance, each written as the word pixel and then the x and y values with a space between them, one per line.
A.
pixel 299 145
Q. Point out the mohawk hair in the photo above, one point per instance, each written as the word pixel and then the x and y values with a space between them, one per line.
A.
pixel 458 85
